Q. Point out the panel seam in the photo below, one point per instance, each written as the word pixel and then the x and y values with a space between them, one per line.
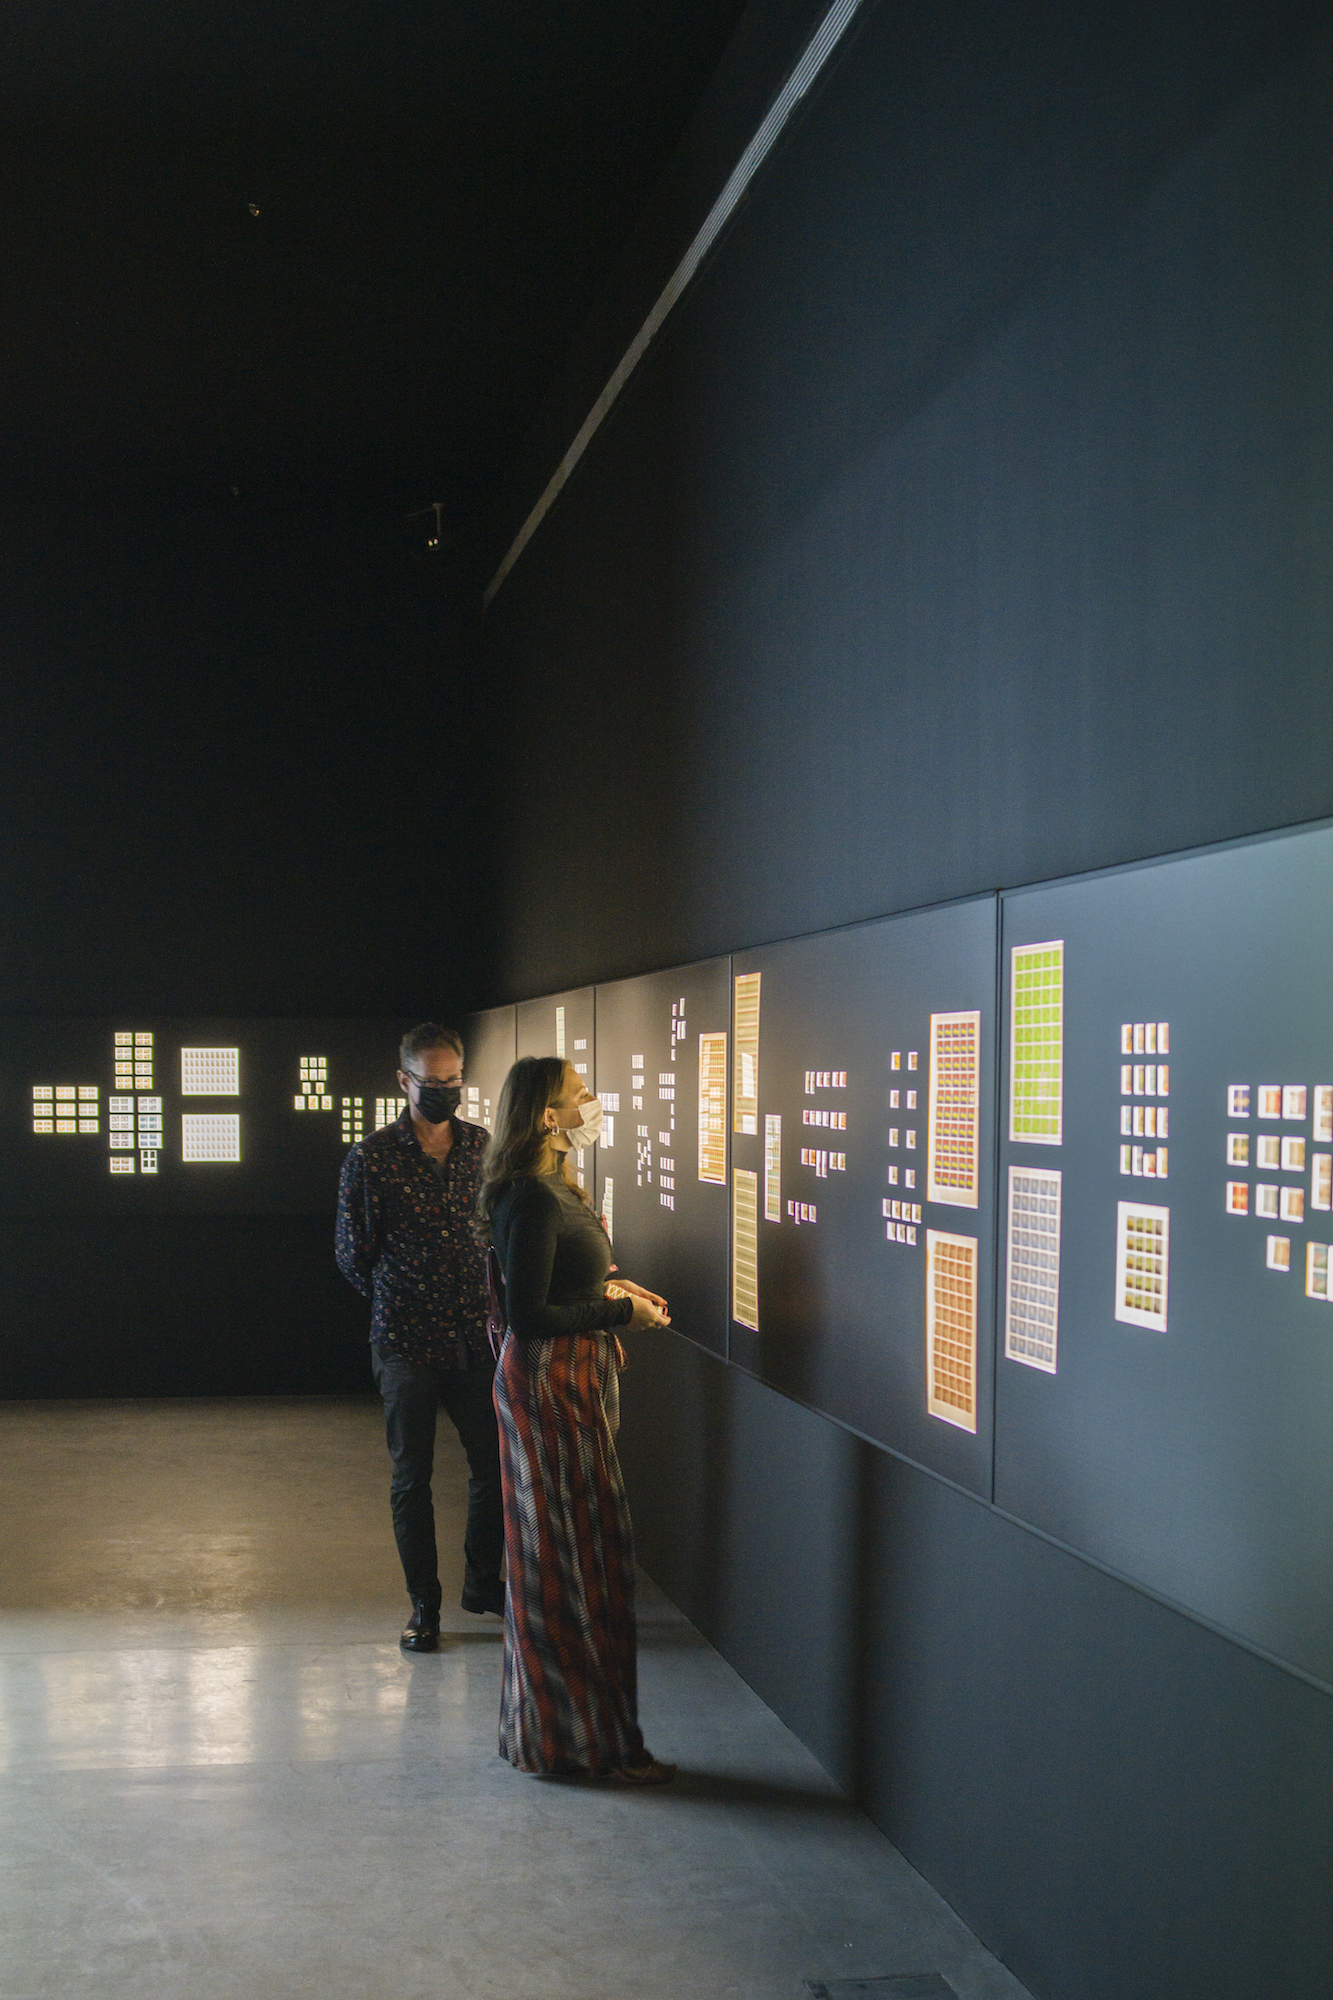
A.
pixel 816 54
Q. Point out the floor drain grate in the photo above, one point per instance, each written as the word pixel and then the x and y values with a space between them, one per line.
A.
pixel 906 1986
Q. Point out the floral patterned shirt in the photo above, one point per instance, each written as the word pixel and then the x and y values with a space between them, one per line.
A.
pixel 404 1238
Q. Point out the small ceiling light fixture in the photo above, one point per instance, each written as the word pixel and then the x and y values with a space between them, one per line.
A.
pixel 435 538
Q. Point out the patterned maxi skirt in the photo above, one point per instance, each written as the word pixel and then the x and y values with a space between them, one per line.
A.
pixel 569 1699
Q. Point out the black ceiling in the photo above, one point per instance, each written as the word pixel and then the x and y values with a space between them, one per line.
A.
pixel 317 253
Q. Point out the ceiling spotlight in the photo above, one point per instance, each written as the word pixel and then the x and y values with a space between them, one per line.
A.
pixel 435 536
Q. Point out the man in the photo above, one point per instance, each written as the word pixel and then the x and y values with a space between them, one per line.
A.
pixel 405 1207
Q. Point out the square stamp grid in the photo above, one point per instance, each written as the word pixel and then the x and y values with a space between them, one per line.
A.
pixel 210 1072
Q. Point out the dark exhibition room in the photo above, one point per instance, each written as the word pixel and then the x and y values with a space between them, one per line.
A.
pixel 623 624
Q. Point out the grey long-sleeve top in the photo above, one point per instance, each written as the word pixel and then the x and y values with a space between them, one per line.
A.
pixel 555 1256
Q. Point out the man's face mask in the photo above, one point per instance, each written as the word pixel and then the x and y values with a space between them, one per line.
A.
pixel 438 1101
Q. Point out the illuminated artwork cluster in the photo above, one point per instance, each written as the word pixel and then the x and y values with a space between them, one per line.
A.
pixel 173 1107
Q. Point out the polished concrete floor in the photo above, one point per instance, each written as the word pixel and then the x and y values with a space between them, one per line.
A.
pixel 224 1781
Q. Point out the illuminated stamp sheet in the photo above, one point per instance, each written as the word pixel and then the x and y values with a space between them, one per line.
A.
pixel 863 1075
pixel 211 1137
pixel 1032 1261
pixel 951 1328
pixel 663 1075
pixel 1167 1059
pixel 211 1072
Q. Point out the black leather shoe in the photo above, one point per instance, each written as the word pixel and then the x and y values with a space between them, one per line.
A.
pixel 486 1597
pixel 421 1634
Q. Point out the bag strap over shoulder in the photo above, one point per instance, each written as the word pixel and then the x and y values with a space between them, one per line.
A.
pixel 497 1318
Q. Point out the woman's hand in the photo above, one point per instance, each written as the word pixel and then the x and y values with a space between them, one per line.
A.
pixel 648 1311
pixel 639 1292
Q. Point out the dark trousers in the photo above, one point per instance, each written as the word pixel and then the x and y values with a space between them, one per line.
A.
pixel 412 1392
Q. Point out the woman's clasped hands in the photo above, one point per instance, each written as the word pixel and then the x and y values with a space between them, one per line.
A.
pixel 649 1309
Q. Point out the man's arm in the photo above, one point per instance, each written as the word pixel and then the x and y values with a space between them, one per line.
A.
pixel 356 1238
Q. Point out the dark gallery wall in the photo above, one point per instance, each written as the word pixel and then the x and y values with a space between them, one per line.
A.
pixel 183 1306
pixel 967 525
pixel 236 781
pixel 969 522
pixel 224 786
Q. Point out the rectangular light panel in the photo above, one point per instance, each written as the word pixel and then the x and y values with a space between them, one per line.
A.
pixel 1032 1306
pixel 713 1109
pixel 1036 1043
pixel 210 1136
pixel 745 1248
pixel 773 1167
pixel 1142 1252
pixel 210 1072
pixel 955 1092
pixel 951 1328
pixel 746 1083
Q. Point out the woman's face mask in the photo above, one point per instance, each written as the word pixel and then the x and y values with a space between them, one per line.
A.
pixel 588 1130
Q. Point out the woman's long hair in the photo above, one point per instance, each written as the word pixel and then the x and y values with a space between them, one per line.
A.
pixel 519 1141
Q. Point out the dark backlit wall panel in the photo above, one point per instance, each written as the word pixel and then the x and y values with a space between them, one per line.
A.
pixel 1173 1420
pixel 970 525
pixel 489 1042
pixel 863 1179
pixel 564 1025
pixel 662 1181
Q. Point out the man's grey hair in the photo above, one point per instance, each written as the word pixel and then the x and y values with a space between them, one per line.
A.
pixel 430 1035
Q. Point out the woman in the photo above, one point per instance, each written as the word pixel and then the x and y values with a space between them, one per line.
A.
pixel 569 1701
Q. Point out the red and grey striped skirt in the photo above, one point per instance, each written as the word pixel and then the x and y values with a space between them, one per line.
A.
pixel 569 1700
